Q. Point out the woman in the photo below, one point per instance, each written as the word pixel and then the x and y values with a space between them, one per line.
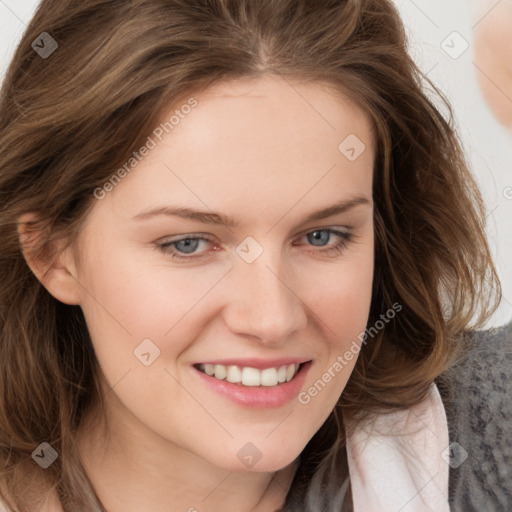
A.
pixel 239 243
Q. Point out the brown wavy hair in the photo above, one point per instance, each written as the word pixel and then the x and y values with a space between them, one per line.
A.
pixel 69 120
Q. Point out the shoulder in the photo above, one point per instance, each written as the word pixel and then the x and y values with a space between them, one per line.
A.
pixel 486 367
pixel 478 402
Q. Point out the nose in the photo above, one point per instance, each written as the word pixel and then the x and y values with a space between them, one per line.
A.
pixel 262 302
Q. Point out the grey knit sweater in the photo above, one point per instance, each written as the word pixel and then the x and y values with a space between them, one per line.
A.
pixel 477 394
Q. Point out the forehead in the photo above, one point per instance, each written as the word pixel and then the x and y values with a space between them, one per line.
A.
pixel 257 148
pixel 312 108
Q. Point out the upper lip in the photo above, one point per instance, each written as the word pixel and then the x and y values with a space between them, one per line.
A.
pixel 258 363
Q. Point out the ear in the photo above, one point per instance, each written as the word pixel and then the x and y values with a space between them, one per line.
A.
pixel 51 263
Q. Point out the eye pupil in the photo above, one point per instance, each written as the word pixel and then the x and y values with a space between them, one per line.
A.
pixel 188 243
pixel 319 235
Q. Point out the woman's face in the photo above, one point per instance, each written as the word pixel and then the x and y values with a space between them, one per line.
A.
pixel 268 291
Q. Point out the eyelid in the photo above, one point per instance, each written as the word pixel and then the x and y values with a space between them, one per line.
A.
pixel 184 236
pixel 322 228
pixel 177 238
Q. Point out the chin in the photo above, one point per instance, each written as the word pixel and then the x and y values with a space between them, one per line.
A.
pixel 257 462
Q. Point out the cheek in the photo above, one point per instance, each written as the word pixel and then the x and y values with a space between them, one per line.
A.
pixel 346 303
pixel 142 295
pixel 127 300
pixel 343 299
pixel 341 303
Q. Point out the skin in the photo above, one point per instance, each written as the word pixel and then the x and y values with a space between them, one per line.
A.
pixel 493 48
pixel 257 151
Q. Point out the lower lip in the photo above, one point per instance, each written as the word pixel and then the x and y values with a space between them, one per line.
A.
pixel 258 396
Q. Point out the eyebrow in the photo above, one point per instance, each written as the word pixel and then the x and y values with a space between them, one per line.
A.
pixel 223 220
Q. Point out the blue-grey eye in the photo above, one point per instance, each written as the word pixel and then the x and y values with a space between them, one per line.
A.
pixel 188 245
pixel 321 235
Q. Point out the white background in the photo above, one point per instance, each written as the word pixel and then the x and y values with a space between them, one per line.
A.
pixel 428 24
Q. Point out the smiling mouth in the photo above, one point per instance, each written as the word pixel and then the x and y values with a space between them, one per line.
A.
pixel 251 377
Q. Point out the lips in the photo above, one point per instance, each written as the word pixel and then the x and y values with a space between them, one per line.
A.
pixel 261 389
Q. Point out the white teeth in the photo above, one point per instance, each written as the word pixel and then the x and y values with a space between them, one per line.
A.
pixel 290 372
pixel 251 376
pixel 269 377
pixel 234 374
pixel 220 371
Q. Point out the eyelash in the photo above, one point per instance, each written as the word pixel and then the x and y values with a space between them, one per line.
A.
pixel 345 239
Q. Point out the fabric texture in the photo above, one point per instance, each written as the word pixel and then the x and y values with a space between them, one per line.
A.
pixel 454 452
pixel 477 394
pixel 398 461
